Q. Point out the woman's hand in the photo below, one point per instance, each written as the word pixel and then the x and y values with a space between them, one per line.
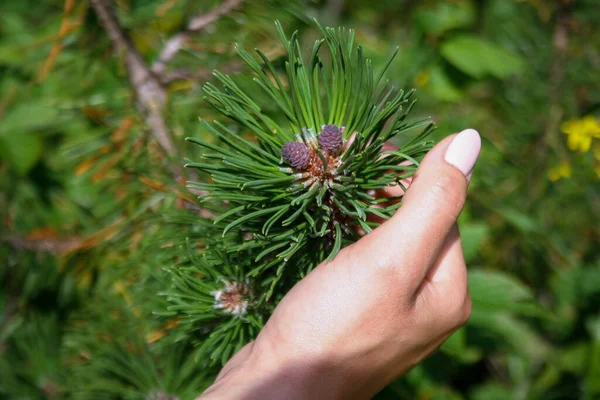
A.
pixel 383 304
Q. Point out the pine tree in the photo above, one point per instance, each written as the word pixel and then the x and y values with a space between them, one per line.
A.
pixel 288 189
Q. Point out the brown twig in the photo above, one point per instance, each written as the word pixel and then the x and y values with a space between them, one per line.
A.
pixel 149 83
pixel 44 245
pixel 196 24
pixel 150 93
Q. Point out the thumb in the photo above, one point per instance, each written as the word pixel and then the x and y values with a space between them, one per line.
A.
pixel 437 192
pixel 430 207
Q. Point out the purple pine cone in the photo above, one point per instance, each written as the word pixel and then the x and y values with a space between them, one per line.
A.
pixel 330 138
pixel 296 154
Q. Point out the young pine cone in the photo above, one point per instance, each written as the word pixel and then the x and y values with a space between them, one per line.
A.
pixel 296 154
pixel 330 138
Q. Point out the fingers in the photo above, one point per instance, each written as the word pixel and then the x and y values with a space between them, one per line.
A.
pixel 413 237
pixel 447 277
pixel 449 268
pixel 445 287
pixel 390 191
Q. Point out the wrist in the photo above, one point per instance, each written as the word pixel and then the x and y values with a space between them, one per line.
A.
pixel 264 375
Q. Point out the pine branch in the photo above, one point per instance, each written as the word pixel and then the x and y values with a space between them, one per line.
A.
pixel 150 93
pixel 196 24
pixel 311 206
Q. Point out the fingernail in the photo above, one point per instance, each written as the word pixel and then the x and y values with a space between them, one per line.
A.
pixel 463 151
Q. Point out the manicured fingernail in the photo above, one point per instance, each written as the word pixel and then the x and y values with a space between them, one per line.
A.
pixel 464 150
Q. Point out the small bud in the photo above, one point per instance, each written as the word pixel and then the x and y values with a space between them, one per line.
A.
pixel 330 138
pixel 232 298
pixel 296 154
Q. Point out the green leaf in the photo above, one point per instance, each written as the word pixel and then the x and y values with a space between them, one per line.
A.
pixel 19 143
pixel 473 235
pixel 521 221
pixel 456 346
pixel 519 335
pixel 445 16
pixel 22 151
pixel 491 391
pixel 494 289
pixel 442 87
pixel 28 117
pixel 498 291
pixel 477 57
pixel 573 358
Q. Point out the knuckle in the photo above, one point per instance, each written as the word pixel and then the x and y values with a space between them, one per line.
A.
pixel 462 311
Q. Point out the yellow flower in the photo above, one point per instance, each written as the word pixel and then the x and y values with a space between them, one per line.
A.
pixel 560 171
pixel 578 142
pixel 591 126
pixel 580 133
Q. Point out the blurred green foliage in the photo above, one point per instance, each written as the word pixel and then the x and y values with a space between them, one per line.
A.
pixel 90 214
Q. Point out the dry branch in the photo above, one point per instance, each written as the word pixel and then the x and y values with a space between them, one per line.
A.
pixel 149 83
pixel 54 245
pixel 196 24
pixel 151 94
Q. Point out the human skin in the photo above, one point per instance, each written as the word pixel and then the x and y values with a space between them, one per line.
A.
pixel 357 323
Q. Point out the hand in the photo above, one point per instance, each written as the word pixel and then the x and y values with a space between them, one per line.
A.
pixel 383 304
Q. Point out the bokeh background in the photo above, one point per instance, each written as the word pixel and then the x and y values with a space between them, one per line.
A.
pixel 85 184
